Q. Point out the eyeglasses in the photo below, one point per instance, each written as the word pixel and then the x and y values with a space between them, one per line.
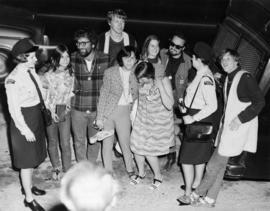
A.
pixel 178 47
pixel 83 44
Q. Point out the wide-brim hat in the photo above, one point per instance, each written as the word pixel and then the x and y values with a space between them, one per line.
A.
pixel 25 45
pixel 204 51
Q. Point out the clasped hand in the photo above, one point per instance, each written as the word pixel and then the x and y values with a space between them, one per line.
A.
pixel 188 119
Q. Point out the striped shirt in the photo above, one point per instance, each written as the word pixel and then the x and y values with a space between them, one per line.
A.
pixel 87 83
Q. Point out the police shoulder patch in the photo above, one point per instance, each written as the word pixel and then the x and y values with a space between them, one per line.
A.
pixel 10 81
pixel 208 82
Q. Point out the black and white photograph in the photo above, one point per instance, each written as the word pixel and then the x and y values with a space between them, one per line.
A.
pixel 138 105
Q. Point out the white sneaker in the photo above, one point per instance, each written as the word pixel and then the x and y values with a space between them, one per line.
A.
pixel 101 135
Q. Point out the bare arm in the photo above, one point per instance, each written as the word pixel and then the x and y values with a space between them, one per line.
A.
pixel 166 93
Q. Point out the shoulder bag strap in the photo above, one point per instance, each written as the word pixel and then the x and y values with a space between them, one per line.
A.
pixel 38 90
pixel 194 95
pixel 198 88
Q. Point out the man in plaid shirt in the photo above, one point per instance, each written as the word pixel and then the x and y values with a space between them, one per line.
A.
pixel 88 69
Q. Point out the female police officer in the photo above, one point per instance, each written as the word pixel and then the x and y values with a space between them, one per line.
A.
pixel 26 127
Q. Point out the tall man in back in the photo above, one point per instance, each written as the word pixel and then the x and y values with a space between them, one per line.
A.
pixel 112 41
pixel 88 70
pixel 177 64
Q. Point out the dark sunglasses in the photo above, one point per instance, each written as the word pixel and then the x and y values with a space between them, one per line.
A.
pixel 178 47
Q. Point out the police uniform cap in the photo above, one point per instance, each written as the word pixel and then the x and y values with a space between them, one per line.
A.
pixel 25 45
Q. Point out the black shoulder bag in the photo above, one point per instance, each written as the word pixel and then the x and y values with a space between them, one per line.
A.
pixel 47 117
pixel 200 131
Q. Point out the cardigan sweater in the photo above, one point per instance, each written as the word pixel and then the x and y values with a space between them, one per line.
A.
pixel 111 92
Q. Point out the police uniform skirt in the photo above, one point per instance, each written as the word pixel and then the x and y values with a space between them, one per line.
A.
pixel 194 151
pixel 29 154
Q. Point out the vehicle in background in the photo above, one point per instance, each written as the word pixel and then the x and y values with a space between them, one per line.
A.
pixel 246 29
pixel 16 24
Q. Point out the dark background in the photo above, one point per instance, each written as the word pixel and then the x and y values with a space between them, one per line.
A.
pixel 197 19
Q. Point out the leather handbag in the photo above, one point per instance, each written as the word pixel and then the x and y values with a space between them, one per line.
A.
pixel 47 116
pixel 46 113
pixel 200 131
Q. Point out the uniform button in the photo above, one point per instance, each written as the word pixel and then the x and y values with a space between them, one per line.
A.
pixel 88 112
pixel 89 78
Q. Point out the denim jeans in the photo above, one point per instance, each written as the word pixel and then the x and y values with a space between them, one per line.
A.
pixel 82 125
pixel 212 180
pixel 60 131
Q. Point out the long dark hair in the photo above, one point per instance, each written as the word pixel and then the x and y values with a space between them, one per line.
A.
pixel 56 56
pixel 146 43
pixel 144 70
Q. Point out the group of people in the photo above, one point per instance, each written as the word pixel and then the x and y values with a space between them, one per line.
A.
pixel 96 87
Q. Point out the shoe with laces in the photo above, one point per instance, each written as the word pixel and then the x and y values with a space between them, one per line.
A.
pixel 184 200
pixel 201 202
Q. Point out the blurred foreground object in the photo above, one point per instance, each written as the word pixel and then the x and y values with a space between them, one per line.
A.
pixel 88 187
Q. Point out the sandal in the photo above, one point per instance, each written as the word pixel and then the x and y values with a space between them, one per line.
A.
pixel 156 183
pixel 137 179
pixel 56 175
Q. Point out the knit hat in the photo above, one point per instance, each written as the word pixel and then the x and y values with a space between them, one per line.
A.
pixel 23 46
pixel 203 51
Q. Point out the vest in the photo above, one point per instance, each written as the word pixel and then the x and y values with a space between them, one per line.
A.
pixel 232 143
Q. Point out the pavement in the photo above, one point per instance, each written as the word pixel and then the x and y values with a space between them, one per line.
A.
pixel 234 195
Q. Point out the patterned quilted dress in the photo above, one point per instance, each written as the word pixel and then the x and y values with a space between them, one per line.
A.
pixel 153 129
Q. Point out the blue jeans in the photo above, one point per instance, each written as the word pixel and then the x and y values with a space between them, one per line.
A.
pixel 212 180
pixel 60 131
pixel 82 125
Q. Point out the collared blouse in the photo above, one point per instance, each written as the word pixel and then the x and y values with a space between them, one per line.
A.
pixel 21 92
pixel 59 89
pixel 205 99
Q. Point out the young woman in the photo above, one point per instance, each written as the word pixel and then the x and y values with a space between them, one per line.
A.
pixel 59 92
pixel 26 128
pixel 201 102
pixel 118 92
pixel 150 53
pixel 153 128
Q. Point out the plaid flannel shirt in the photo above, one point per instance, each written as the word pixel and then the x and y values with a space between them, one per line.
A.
pixel 87 84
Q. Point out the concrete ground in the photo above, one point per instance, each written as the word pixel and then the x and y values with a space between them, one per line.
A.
pixel 235 195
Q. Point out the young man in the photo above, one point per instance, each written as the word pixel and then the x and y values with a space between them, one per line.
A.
pixel 238 129
pixel 177 64
pixel 88 70
pixel 111 42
